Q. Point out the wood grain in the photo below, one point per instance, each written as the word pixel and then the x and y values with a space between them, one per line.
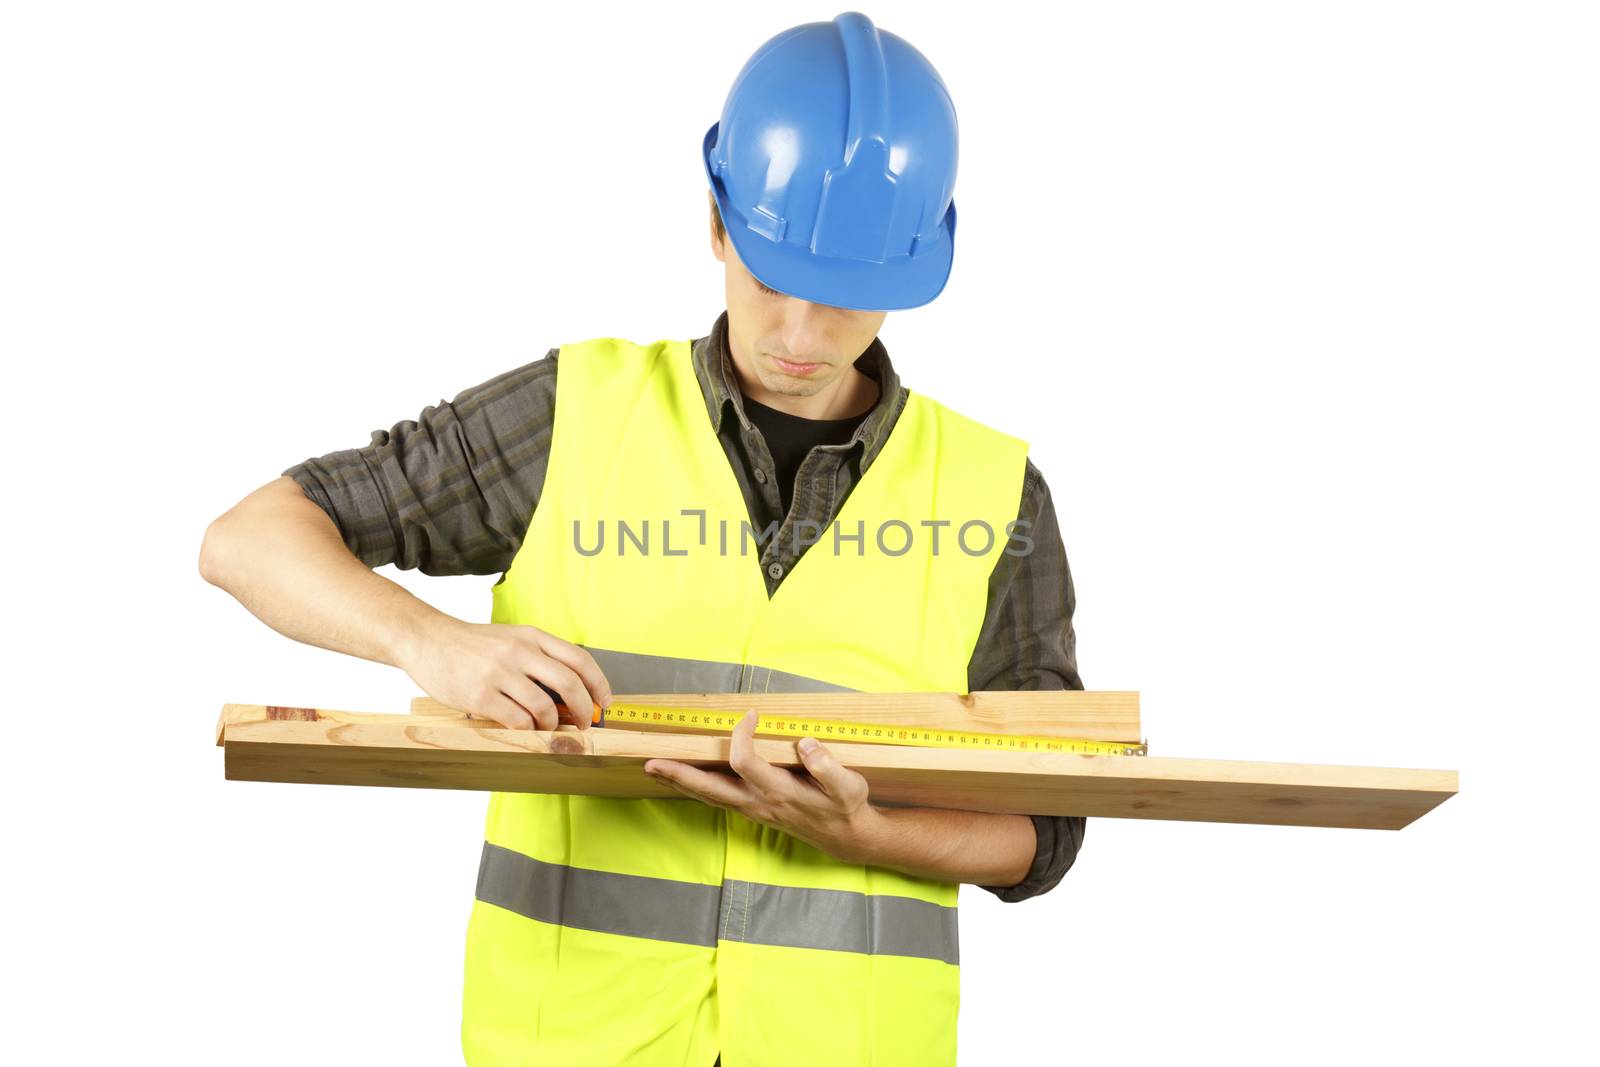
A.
pixel 449 752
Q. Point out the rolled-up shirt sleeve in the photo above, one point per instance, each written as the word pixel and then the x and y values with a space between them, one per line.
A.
pixel 1028 643
pixel 451 491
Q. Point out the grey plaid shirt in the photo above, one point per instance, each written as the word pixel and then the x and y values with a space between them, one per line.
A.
pixel 453 493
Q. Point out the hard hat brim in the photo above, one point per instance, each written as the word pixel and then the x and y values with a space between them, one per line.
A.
pixel 898 283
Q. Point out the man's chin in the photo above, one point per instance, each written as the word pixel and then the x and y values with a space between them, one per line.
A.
pixel 791 388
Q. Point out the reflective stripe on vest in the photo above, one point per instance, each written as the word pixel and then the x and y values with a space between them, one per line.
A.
pixel 693 914
pixel 637 672
pixel 717 933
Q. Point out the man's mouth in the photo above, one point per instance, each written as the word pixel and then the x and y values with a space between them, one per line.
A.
pixel 790 367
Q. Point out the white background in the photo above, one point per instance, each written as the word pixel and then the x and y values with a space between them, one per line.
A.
pixel 1295 303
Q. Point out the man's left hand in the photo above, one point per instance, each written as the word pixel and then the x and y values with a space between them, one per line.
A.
pixel 825 805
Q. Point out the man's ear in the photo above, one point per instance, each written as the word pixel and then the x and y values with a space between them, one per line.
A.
pixel 716 241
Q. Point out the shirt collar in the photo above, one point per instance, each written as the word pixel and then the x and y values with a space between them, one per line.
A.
pixel 713 366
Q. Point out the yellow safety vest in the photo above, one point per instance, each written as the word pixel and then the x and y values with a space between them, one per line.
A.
pixel 662 932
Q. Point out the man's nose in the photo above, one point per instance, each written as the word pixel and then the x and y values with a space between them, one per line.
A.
pixel 803 328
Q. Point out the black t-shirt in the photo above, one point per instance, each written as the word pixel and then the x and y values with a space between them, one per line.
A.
pixel 790 438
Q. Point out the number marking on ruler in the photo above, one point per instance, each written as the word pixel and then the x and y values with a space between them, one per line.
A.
pixel 858 732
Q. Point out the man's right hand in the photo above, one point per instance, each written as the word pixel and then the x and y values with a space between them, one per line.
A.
pixel 492 670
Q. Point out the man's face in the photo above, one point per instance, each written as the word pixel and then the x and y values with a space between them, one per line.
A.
pixel 792 346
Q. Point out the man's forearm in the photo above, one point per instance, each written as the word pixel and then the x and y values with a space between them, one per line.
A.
pixel 980 847
pixel 282 557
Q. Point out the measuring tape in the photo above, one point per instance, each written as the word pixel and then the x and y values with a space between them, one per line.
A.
pixel 858 732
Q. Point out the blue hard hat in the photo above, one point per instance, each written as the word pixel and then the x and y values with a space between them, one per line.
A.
pixel 834 167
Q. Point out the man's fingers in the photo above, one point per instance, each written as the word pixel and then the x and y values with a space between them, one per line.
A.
pixel 581 662
pixel 838 781
pixel 713 787
pixel 534 700
pixel 563 681
pixel 774 782
pixel 508 713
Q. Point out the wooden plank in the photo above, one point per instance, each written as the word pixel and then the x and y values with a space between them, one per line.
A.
pixel 1094 715
pixel 445 752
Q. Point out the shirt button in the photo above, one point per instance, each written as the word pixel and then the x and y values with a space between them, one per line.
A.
pixel 761 475
pixel 775 569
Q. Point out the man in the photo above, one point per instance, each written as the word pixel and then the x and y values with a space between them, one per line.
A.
pixel 766 916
